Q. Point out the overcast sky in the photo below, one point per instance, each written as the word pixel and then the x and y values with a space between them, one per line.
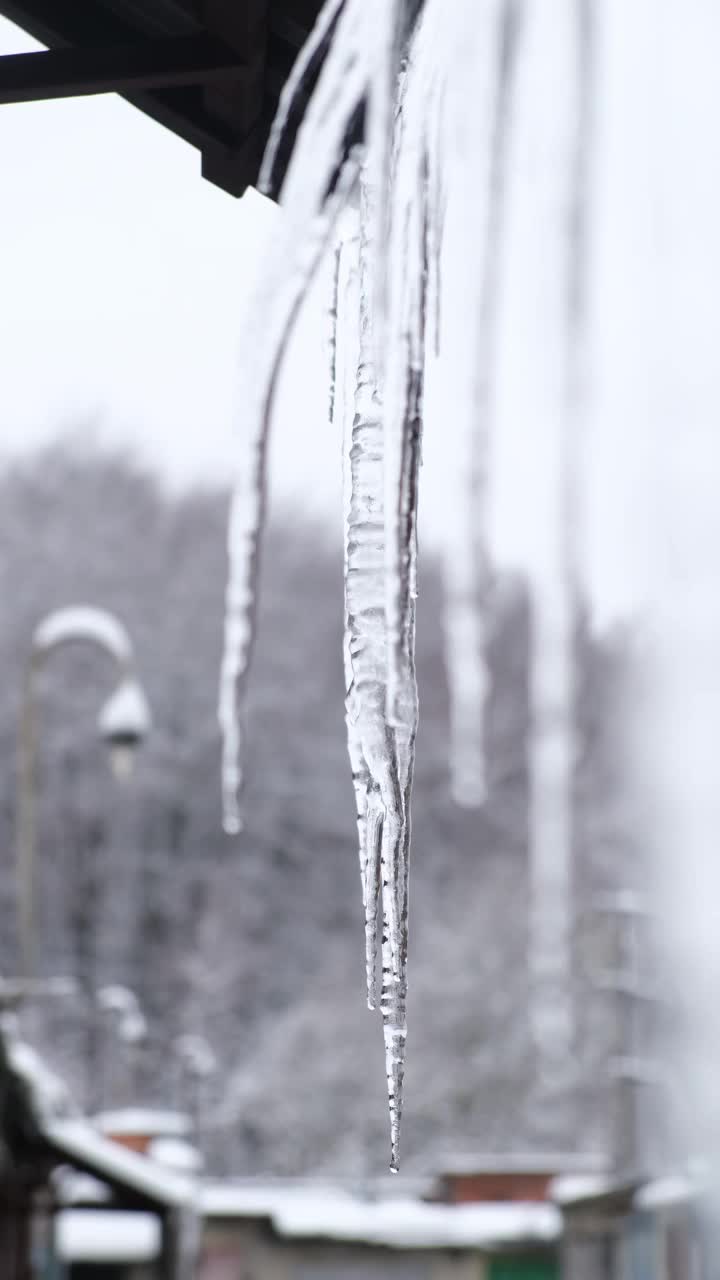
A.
pixel 123 274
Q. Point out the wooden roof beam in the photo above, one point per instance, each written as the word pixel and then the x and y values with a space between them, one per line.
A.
pixel 149 64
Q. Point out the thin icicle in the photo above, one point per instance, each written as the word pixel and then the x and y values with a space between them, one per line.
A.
pixel 372 887
pixel 279 307
pixel 556 595
pixel 384 24
pixel 313 200
pixel 333 340
pixel 341 88
pixel 556 598
pixel 538 351
pixel 467 570
pixel 318 39
pixel 404 391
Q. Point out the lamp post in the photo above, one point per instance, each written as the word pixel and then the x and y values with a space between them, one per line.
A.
pixel 123 723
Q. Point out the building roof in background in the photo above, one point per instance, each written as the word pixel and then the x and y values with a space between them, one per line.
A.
pixel 317 1215
pixel 572 1187
pixel 325 1213
pixel 523 1162
pixel 215 80
pixel 667 1192
pixel 151 1122
pixel 133 1176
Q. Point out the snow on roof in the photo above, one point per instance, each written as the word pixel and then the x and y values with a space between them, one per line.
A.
pixel 173 1153
pixel 328 1213
pixel 465 1164
pixel 49 1095
pixel 663 1193
pixel 151 1123
pixel 97 1235
pixel 78 1141
pixel 245 1196
pixel 413 1224
pixel 579 1186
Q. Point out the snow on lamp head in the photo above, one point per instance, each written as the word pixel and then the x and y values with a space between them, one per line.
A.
pixel 123 724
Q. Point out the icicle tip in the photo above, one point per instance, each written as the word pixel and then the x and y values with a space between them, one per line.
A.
pixel 233 824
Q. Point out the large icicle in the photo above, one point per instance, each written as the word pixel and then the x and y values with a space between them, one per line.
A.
pixel 373 744
pixel 369 814
pixel 556 596
pixel 476 222
pixel 536 367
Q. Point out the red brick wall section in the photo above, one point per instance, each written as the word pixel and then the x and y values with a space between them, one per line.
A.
pixel 133 1141
pixel 467 1188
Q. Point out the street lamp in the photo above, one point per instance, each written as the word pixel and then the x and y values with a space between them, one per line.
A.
pixel 123 723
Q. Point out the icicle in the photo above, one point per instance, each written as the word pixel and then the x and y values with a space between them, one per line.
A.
pixel 437 207
pixel 310 214
pixel 372 881
pixel 334 332
pixel 365 631
pixel 535 385
pixel 482 155
pixel 384 23
pixel 274 310
pixel 368 803
pixel 556 598
pixel 319 37
pixel 404 385
pixel 373 745
pixel 402 231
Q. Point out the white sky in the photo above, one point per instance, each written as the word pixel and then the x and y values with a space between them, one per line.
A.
pixel 122 280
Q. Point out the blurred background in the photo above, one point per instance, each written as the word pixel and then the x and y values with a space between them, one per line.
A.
pixel 221 980
pixel 118 431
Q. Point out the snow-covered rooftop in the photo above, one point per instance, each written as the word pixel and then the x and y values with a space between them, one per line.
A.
pixel 175 1153
pixel 151 1122
pixel 106 1235
pixel 414 1224
pixel 79 1141
pixel 316 1212
pixel 524 1162
pixel 49 1095
pixel 662 1193
pixel 579 1186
